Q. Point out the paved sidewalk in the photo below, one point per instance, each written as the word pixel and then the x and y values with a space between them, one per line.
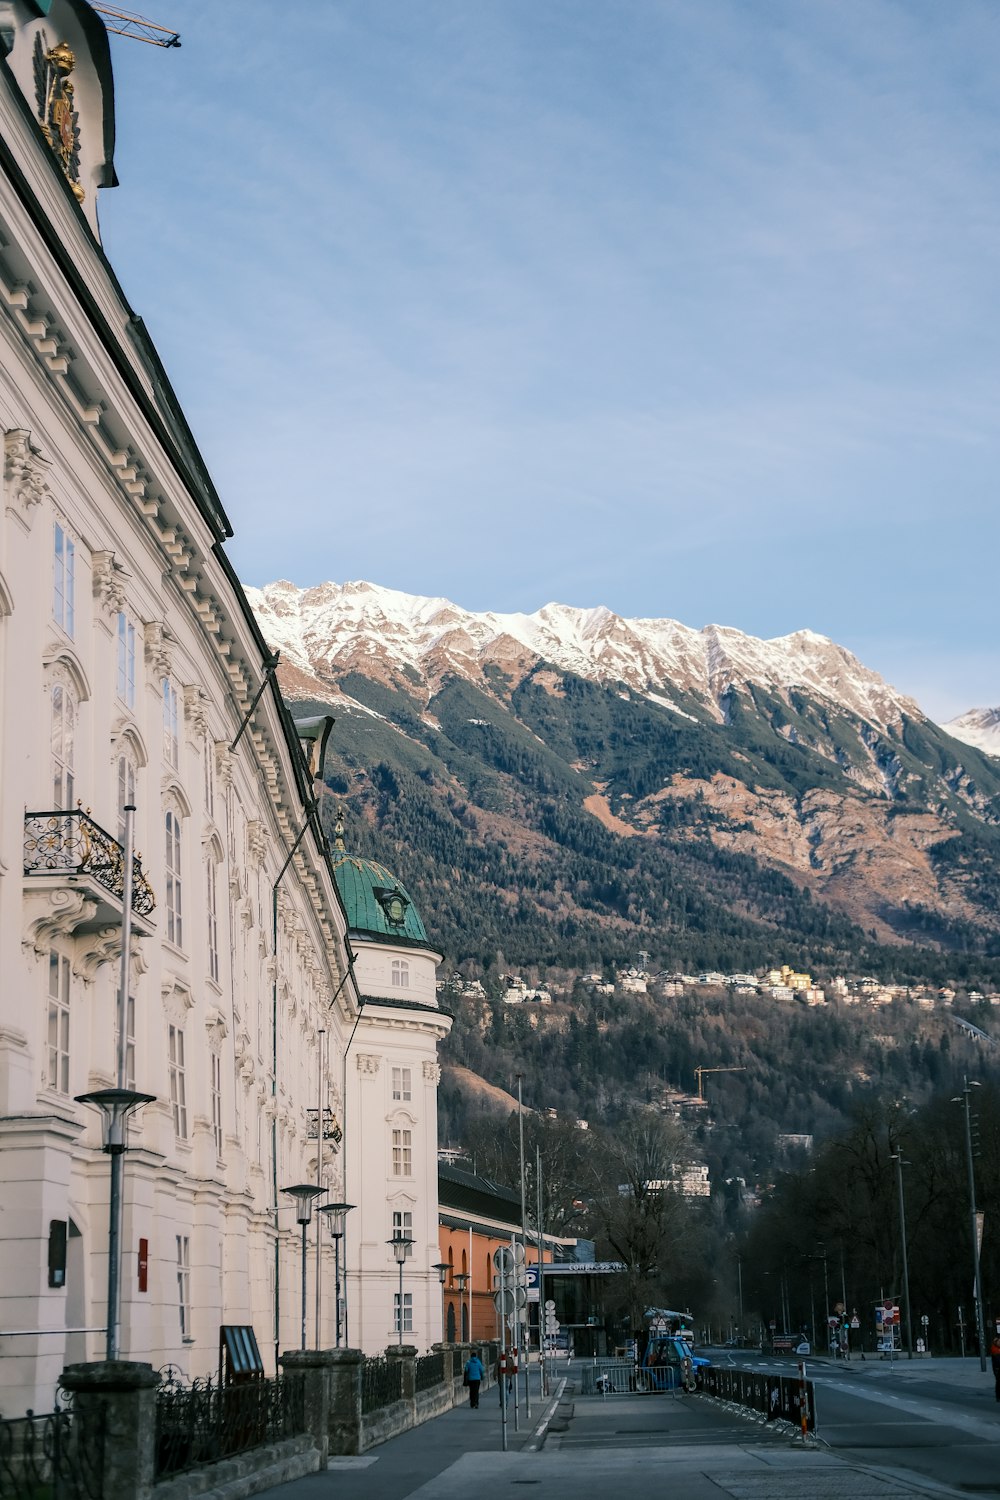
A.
pixel 600 1450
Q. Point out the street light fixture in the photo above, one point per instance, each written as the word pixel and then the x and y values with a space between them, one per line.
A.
pixel 963 1098
pixel 461 1280
pixel 303 1194
pixel 897 1157
pixel 401 1247
pixel 115 1105
pixel 442 1268
pixel 336 1213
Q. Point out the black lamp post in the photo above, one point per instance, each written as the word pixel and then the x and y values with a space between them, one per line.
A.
pixel 335 1216
pixel 401 1247
pixel 964 1098
pixel 462 1281
pixel 115 1105
pixel 303 1194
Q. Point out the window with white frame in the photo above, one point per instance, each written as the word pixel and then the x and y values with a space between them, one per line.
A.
pixel 407 1324
pixel 402 1224
pixel 401 973
pixel 64 579
pixel 63 743
pixel 402 1087
pixel 125 674
pixel 184 1284
pixel 217 1101
pixel 212 913
pixel 173 885
pixel 57 1024
pixel 125 773
pixel 129 1036
pixel 171 725
pixel 178 1081
pixel 402 1153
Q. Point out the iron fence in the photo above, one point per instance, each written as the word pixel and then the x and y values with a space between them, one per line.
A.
pixel 52 1457
pixel 772 1395
pixel 430 1371
pixel 381 1382
pixel 71 843
pixel 204 1422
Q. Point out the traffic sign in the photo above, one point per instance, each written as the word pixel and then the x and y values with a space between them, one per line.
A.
pixel 504 1301
pixel 503 1259
pixel 550 1305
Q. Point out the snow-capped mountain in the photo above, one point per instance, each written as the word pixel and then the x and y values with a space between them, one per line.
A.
pixel 337 628
pixel 637 782
pixel 979 727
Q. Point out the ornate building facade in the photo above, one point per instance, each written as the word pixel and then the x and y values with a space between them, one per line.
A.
pixel 132 673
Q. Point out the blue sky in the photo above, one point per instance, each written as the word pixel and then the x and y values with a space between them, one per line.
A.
pixel 685 307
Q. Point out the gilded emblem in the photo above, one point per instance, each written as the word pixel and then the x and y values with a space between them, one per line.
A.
pixel 56 108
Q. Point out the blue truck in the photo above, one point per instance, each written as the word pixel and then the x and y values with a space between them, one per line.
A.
pixel 670 1364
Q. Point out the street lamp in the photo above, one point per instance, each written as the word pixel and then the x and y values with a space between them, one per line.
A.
pixel 897 1157
pixel 115 1105
pixel 336 1213
pixel 462 1281
pixel 442 1268
pixel 964 1097
pixel 303 1194
pixel 401 1247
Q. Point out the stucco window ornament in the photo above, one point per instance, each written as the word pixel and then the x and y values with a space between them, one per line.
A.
pixel 55 914
pixel 216 1028
pixel 369 1063
pixel 256 842
pixel 432 1071
pixel 224 764
pixel 195 704
pixel 177 1000
pixel 108 578
pixel 57 114
pixel 158 642
pixel 24 470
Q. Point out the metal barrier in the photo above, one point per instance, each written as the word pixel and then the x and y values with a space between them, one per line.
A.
pixel 622 1377
pixel 772 1395
pixel 381 1382
pixel 430 1371
pixel 204 1422
pixel 55 1456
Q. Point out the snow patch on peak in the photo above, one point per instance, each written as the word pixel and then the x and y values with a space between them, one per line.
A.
pixel 979 727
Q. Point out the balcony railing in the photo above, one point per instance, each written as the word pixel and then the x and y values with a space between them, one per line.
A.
pixel 71 843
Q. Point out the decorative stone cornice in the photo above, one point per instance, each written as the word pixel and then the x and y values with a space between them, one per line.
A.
pixel 24 471
pixel 55 914
pixel 100 948
pixel 159 642
pixel 108 577
pixel 432 1071
pixel 177 999
pixel 195 705
pixel 369 1063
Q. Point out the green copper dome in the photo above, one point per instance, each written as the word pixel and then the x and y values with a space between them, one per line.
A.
pixel 378 906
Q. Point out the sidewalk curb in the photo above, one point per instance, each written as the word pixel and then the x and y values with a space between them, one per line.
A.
pixel 538 1436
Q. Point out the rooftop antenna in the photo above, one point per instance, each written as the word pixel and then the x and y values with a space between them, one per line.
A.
pixel 124 23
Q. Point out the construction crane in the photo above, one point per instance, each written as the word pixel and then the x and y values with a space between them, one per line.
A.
pixel 699 1073
pixel 124 23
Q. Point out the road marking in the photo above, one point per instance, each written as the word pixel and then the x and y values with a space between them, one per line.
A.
pixel 538 1436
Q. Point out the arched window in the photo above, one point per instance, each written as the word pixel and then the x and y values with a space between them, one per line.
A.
pixel 172 868
pixel 401 973
pixel 63 736
pixel 452 1328
pixel 212 912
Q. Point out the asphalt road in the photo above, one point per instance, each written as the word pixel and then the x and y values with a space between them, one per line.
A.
pixel 912 1418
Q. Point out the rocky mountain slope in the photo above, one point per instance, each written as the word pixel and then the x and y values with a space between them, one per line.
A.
pixel 569 786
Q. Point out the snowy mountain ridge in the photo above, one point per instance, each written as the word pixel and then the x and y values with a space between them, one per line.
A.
pixel 336 628
pixel 979 727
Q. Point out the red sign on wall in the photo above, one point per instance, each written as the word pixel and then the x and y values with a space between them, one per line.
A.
pixel 143 1265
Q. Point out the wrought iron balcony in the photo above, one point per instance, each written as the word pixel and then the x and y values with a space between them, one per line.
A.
pixel 71 843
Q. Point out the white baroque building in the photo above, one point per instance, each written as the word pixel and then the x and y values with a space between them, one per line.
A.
pixel 130 662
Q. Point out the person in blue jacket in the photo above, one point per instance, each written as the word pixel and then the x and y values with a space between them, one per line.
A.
pixel 474 1372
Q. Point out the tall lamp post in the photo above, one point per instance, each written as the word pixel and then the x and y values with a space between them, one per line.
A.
pixel 462 1281
pixel 335 1216
pixel 961 1098
pixel 442 1268
pixel 303 1195
pixel 115 1105
pixel 897 1157
pixel 401 1247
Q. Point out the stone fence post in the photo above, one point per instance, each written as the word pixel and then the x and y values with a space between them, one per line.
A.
pixel 124 1393
pixel 448 1361
pixel 315 1366
pixel 344 1410
pixel 406 1354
